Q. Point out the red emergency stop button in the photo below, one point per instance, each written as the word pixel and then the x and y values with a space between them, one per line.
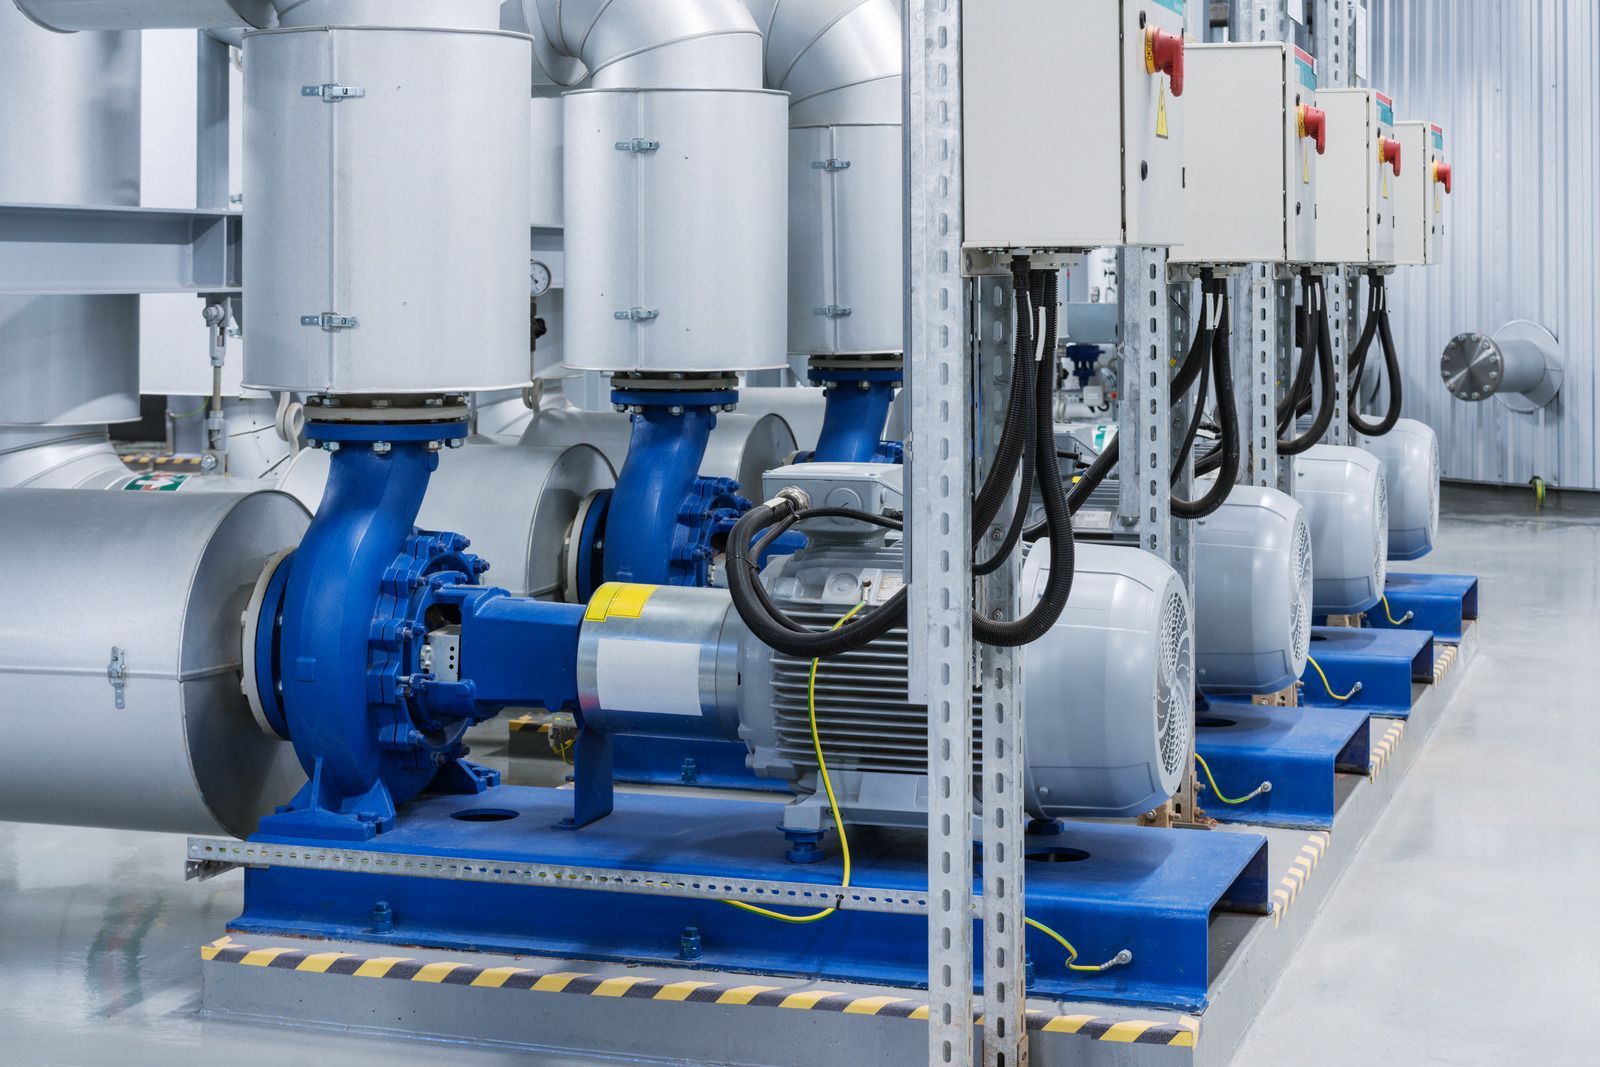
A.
pixel 1389 152
pixel 1163 54
pixel 1441 174
pixel 1314 123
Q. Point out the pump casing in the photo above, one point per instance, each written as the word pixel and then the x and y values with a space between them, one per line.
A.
pixel 1346 498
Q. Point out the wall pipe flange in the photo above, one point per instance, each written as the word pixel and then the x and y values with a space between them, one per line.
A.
pixel 1520 365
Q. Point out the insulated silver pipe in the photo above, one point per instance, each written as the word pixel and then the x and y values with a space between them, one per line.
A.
pixel 839 60
pixel 642 44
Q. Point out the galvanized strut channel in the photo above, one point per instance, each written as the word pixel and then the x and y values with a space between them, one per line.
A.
pixel 211 856
pixel 939 560
pixel 1005 1037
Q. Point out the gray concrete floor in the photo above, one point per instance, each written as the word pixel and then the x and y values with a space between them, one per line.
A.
pixel 1464 933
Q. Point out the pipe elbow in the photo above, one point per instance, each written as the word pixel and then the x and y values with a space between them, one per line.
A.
pixel 646 44
pixel 839 60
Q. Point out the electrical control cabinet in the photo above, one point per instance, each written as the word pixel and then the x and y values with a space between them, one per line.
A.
pixel 1073 123
pixel 1420 194
pixel 1356 208
pixel 1254 131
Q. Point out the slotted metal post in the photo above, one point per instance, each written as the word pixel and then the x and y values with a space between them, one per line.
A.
pixel 1005 1036
pixel 1144 471
pixel 939 482
pixel 1255 340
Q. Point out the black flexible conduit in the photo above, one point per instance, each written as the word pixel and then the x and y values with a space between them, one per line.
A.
pixel 1033 385
pixel 1377 319
pixel 1317 299
pixel 1228 428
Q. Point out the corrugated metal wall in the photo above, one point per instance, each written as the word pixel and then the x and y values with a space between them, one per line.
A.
pixel 1514 83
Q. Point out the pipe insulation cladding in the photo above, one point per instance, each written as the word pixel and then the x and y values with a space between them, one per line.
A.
pixel 526 533
pixel 74 141
pixel 387 173
pixel 840 62
pixel 120 659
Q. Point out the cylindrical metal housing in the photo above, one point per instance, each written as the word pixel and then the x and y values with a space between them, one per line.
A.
pixel 1520 364
pixel 64 16
pixel 389 226
pixel 846 285
pixel 1347 504
pixel 515 503
pixel 1253 587
pixel 152 585
pixel 1410 455
pixel 69 134
pixel 660 660
pixel 742 447
pixel 676 230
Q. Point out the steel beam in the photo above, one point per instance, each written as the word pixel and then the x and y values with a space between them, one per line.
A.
pixel 1144 427
pixel 52 249
pixel 938 550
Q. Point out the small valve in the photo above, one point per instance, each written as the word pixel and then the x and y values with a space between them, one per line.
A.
pixel 1441 174
pixel 1389 152
pixel 1163 54
pixel 1314 123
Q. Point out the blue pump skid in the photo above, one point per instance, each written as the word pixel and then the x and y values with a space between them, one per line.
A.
pixel 1384 663
pixel 1301 751
pixel 1105 887
pixel 1440 603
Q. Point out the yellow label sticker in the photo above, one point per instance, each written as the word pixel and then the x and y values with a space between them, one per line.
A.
pixel 1386 186
pixel 618 600
pixel 1306 178
pixel 1161 113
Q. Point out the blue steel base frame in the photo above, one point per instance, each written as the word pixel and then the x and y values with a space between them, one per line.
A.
pixel 1384 662
pixel 1104 887
pixel 1441 603
pixel 1300 751
pixel 648 760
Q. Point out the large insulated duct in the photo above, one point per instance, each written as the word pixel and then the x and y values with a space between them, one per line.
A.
pixel 1520 365
pixel 1253 569
pixel 518 505
pixel 840 62
pixel 120 660
pixel 69 134
pixel 386 169
pixel 1346 498
pixel 674 185
pixel 742 447
pixel 1410 455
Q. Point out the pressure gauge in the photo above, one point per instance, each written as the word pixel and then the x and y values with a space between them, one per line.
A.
pixel 538 278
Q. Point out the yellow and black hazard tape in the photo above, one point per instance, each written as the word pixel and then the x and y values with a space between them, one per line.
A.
pixel 1182 1032
pixel 1299 872
pixel 1443 661
pixel 150 459
pixel 1385 748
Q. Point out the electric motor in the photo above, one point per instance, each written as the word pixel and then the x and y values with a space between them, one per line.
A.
pixel 1410 455
pixel 1253 591
pixel 1346 498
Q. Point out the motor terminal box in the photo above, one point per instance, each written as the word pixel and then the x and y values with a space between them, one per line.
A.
pixel 1254 131
pixel 1356 208
pixel 1073 123
pixel 1420 194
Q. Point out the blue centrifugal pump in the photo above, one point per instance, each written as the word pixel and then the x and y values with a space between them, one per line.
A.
pixel 359 640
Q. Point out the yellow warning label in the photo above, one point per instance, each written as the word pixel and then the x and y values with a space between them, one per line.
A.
pixel 1306 178
pixel 1161 113
pixel 618 600
pixel 1386 186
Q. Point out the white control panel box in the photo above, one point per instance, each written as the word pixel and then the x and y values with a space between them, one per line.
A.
pixel 1253 132
pixel 1356 208
pixel 1073 123
pixel 1420 194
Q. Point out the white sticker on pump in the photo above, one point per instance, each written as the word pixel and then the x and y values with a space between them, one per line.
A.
pixel 652 677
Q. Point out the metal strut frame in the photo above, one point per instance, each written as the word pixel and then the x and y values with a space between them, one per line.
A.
pixel 938 544
pixel 1005 1037
pixel 1144 418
